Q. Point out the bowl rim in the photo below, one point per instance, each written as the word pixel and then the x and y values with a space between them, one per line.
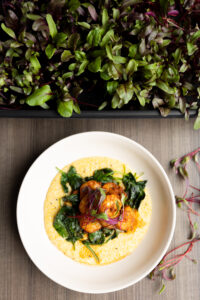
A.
pixel 171 231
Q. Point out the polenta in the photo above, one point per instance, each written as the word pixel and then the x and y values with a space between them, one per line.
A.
pixel 108 210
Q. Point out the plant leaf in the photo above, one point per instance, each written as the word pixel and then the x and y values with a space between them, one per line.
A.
pixel 9 31
pixel 49 51
pixel 65 108
pixel 197 121
pixel 52 25
pixel 95 66
pixel 40 96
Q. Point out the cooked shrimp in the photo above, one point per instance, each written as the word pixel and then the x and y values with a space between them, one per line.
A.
pixel 92 184
pixel 111 206
pixel 89 224
pixel 113 188
pixel 130 219
pixel 84 204
pixel 107 225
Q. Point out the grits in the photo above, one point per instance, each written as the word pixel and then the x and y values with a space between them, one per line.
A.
pixel 115 249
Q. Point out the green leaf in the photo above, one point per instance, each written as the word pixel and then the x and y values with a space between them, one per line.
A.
pixel 177 55
pixel 84 24
pixel 52 25
pixel 197 121
pixel 94 37
pixel 73 5
pixel 139 94
pixel 73 41
pixel 82 67
pixel 109 52
pixel 195 36
pixel 111 86
pixel 65 108
pixel 71 177
pixel 165 87
pixel 97 237
pixel 67 226
pixel 35 64
pixel 40 96
pixel 9 31
pixel 76 108
pixel 114 70
pixel 116 13
pixel 131 67
pixel 134 189
pixel 60 38
pixel 133 51
pixel 162 289
pixel 115 101
pixel 191 48
pixel 102 175
pixel 49 51
pixel 86 243
pixel 105 17
pixel 95 66
pixel 33 17
pixel 119 59
pixel 109 36
pixel 125 92
pixel 66 55
pixel 103 105
pixel 80 55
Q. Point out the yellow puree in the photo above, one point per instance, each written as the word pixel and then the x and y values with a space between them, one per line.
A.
pixel 115 249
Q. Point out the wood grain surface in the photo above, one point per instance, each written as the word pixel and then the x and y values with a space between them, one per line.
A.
pixel 22 140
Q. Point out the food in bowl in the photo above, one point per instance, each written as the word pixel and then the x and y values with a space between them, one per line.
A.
pixel 96 210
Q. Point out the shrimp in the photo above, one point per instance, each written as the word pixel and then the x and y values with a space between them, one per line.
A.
pixel 107 225
pixel 130 219
pixel 92 184
pixel 113 188
pixel 89 224
pixel 111 206
pixel 84 204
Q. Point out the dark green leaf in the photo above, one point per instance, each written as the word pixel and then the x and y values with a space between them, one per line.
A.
pixel 72 178
pixel 96 238
pixel 134 189
pixel 95 66
pixel 67 225
pixel 66 55
pixel 102 175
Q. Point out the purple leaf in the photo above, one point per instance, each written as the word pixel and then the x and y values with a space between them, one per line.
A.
pixel 92 12
pixel 173 13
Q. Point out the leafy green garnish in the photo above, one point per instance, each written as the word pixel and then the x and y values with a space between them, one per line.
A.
pixel 102 216
pixel 87 245
pixel 72 178
pixel 134 189
pixel 96 238
pixel 67 225
pixel 73 198
pixel 102 175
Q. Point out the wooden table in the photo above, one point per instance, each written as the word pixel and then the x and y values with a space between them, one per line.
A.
pixel 22 140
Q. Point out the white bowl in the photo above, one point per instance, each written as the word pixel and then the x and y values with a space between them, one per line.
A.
pixel 53 263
